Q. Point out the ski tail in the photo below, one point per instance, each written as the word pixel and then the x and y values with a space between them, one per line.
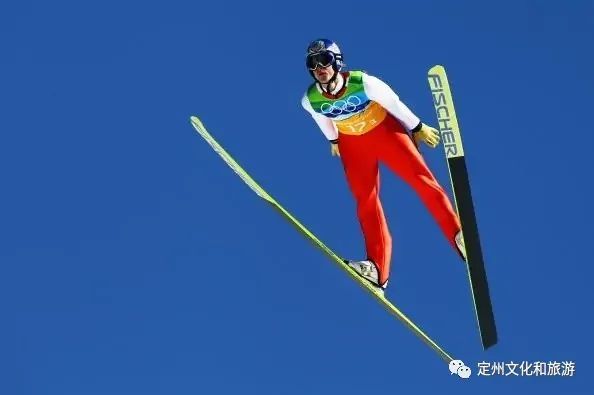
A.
pixel 199 126
pixel 454 150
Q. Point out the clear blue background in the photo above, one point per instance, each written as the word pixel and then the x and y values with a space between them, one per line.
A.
pixel 133 261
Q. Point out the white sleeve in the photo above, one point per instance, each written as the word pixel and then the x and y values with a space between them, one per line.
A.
pixel 324 123
pixel 380 92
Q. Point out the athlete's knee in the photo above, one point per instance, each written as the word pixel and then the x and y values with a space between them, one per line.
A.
pixel 427 184
pixel 367 204
pixel 365 195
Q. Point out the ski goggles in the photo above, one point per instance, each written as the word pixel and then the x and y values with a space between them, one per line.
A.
pixel 323 59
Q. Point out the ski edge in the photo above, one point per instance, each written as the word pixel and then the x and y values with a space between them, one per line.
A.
pixel 392 309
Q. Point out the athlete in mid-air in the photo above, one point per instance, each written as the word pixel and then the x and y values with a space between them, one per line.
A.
pixel 366 123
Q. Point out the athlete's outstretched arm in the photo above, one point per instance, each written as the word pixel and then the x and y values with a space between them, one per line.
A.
pixel 380 92
pixel 325 124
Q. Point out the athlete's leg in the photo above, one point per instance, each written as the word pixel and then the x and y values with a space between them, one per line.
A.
pixel 401 155
pixel 362 174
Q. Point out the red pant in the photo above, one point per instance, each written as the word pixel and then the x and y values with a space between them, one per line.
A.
pixel 391 144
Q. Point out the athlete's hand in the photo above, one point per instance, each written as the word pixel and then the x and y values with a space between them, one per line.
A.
pixel 428 135
pixel 334 150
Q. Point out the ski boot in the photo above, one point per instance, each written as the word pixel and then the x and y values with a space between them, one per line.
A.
pixel 368 271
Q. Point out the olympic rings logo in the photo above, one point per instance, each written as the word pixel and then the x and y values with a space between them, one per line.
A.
pixel 341 106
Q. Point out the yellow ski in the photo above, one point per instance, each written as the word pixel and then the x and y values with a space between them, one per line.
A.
pixel 452 143
pixel 309 235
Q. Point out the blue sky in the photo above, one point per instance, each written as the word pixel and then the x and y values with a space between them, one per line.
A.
pixel 133 261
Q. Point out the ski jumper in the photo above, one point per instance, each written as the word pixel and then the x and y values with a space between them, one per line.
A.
pixel 371 125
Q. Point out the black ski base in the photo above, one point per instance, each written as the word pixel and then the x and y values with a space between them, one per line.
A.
pixel 476 266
